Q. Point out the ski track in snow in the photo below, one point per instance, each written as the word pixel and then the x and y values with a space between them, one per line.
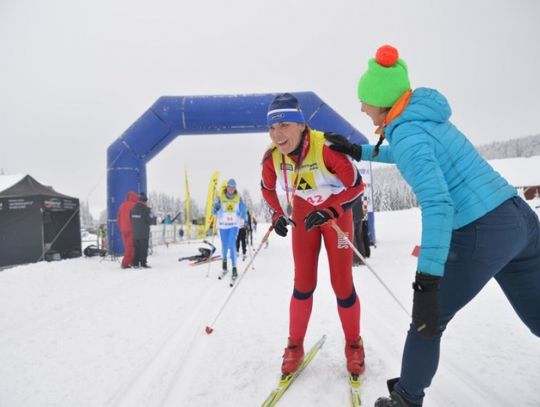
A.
pixel 164 366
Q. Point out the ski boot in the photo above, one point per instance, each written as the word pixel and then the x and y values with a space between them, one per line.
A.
pixel 234 276
pixel 293 356
pixel 354 352
pixel 394 400
pixel 223 269
pixel 243 257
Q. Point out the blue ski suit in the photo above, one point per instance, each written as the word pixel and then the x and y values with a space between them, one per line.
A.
pixel 229 209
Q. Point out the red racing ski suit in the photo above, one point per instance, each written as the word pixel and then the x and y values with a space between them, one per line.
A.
pixel 326 179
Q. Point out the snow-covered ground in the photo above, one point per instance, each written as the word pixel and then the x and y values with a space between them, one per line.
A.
pixel 84 332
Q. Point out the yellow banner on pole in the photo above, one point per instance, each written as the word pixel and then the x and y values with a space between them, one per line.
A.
pixel 220 189
pixel 210 198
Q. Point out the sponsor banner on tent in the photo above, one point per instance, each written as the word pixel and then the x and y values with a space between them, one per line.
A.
pixel 52 203
pixel 56 204
pixel 69 204
pixel 18 203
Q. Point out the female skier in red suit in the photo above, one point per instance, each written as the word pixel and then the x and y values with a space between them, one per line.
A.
pixel 320 185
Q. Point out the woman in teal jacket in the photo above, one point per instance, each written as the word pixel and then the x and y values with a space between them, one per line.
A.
pixel 474 226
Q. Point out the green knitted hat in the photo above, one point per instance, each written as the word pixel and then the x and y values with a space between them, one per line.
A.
pixel 385 80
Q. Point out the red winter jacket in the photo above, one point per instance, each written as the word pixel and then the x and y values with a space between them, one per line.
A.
pixel 124 212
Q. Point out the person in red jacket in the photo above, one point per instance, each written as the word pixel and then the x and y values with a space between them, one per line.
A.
pixel 320 186
pixel 124 224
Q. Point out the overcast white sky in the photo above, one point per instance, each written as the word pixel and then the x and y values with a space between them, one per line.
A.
pixel 75 75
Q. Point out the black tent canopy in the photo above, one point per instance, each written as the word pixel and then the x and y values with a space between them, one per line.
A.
pixel 36 222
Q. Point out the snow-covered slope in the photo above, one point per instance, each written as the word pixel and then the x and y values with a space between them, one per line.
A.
pixel 83 332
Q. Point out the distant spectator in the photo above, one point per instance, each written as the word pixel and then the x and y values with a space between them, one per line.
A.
pixel 241 238
pixel 254 223
pixel 167 220
pixel 249 228
pixel 102 237
pixel 141 220
pixel 124 225
pixel 181 232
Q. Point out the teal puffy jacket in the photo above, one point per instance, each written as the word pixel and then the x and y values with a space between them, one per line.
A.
pixel 453 184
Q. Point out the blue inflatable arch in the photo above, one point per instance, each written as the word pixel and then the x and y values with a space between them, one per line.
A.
pixel 172 116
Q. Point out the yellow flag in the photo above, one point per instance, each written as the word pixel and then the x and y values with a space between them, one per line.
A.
pixel 210 198
pixel 188 206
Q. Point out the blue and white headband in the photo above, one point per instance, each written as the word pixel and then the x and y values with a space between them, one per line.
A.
pixel 285 115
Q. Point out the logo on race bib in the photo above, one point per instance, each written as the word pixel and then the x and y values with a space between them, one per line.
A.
pixel 341 242
pixel 306 182
pixel 286 167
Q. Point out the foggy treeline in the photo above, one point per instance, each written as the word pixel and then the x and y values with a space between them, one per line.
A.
pixel 390 191
pixel 519 147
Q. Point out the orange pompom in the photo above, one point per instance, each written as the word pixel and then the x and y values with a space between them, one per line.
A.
pixel 387 55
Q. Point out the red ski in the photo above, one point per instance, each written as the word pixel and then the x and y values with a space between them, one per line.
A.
pixel 205 261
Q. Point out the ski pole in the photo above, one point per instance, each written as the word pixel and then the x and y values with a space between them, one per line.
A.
pixel 213 247
pixel 343 236
pixel 250 248
pixel 209 328
pixel 250 251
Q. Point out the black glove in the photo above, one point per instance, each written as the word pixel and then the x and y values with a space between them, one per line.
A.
pixel 319 217
pixel 426 304
pixel 280 222
pixel 342 145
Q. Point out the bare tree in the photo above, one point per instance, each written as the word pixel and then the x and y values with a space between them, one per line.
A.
pixel 87 219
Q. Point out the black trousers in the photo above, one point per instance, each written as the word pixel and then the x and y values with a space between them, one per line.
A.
pixel 249 236
pixel 141 252
pixel 361 240
pixel 241 238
